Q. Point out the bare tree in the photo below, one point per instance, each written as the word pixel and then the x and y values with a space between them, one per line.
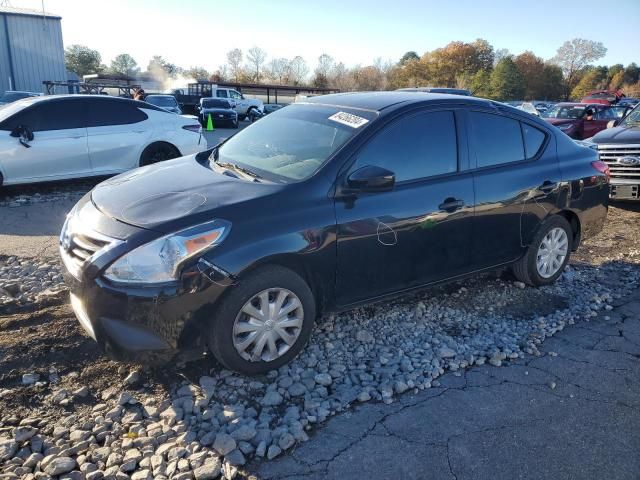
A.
pixel 325 64
pixel 278 69
pixel 575 55
pixel 298 70
pixel 234 59
pixel 256 57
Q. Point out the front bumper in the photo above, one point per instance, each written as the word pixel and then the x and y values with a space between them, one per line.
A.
pixel 625 190
pixel 148 324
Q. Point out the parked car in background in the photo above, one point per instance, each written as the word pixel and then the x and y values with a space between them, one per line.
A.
pixel 242 105
pixel 221 111
pixel 604 97
pixel 582 120
pixel 529 108
pixel 619 147
pixel 321 206
pixel 70 136
pixel 166 102
pixel 629 102
pixel 451 91
pixel 271 107
pixel 13 95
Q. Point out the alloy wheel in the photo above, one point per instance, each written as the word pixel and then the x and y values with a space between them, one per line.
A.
pixel 552 252
pixel 268 325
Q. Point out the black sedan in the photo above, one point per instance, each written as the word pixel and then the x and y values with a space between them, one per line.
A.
pixel 341 201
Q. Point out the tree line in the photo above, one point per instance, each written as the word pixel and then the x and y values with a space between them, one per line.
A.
pixel 476 66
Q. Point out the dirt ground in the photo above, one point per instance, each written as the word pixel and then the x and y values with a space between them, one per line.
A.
pixel 45 338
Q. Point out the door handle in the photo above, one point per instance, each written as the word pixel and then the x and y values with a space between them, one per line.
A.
pixel 451 204
pixel 547 186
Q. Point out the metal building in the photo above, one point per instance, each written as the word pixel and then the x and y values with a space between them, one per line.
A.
pixel 31 49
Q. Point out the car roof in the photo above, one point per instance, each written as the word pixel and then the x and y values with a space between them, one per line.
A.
pixel 379 101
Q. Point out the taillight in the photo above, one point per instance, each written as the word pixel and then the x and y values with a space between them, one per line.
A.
pixel 602 168
pixel 192 128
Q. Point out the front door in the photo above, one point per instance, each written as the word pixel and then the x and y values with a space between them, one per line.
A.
pixel 59 146
pixel 420 231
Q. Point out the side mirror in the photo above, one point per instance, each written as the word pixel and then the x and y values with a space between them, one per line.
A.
pixel 24 134
pixel 371 179
pixel 613 123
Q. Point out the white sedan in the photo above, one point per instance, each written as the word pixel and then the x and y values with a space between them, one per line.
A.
pixel 72 136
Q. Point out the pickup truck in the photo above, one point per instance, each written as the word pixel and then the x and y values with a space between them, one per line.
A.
pixel 189 98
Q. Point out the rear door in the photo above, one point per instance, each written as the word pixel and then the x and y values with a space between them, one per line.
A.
pixel 117 132
pixel 420 231
pixel 59 147
pixel 516 181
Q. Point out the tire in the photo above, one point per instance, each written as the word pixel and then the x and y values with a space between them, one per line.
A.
pixel 228 325
pixel 527 269
pixel 158 152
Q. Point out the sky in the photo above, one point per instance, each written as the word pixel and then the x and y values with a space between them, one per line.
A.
pixel 200 32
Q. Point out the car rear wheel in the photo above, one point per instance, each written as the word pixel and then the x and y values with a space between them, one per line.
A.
pixel 158 152
pixel 547 255
pixel 264 321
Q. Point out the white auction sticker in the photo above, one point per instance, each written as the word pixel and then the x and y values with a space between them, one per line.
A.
pixel 348 119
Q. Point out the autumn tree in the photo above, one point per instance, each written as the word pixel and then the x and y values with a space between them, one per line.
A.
pixel 531 70
pixel 573 56
pixel 197 73
pixel 82 60
pixel 408 57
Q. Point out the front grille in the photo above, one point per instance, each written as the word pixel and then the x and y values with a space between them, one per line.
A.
pixel 79 245
pixel 611 154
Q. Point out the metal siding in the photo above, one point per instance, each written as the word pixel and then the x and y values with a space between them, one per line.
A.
pixel 37 50
pixel 5 70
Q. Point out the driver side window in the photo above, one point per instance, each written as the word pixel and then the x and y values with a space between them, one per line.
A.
pixel 414 147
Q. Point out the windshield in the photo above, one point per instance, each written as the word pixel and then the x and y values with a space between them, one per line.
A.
pixel 565 111
pixel 215 103
pixel 162 101
pixel 13 96
pixel 292 143
pixel 633 118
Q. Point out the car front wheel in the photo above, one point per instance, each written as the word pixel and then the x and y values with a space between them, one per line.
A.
pixel 264 321
pixel 548 253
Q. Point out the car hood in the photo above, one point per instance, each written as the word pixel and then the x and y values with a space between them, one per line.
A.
pixel 622 134
pixel 174 194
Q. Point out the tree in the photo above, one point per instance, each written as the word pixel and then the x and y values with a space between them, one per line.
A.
pixel 277 69
pixel 407 57
pixel 551 83
pixel 500 54
pixel 298 70
pixel 506 81
pixel 631 74
pixel 531 70
pixel 256 57
pixel 323 70
pixel 197 73
pixel 594 79
pixel 124 64
pixel 82 60
pixel 573 56
pixel 234 59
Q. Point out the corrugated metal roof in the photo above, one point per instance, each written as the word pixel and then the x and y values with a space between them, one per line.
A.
pixel 27 11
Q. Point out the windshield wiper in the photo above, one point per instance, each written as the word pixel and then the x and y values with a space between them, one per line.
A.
pixel 247 173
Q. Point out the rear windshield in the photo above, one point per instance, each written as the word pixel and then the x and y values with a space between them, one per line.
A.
pixel 215 103
pixel 162 101
pixel 565 111
pixel 292 143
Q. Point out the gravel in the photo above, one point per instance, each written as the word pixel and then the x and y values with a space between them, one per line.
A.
pixel 26 280
pixel 210 424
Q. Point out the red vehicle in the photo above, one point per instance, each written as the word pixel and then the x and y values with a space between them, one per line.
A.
pixel 583 120
pixel 604 97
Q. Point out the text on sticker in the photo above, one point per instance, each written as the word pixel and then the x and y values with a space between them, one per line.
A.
pixel 348 119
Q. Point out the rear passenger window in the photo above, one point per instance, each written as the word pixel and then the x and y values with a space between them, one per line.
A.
pixel 533 139
pixel 497 139
pixel 50 115
pixel 419 146
pixel 106 112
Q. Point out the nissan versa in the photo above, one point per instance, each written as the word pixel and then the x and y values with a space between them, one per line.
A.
pixel 322 206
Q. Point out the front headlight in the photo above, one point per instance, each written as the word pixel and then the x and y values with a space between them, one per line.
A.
pixel 159 261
